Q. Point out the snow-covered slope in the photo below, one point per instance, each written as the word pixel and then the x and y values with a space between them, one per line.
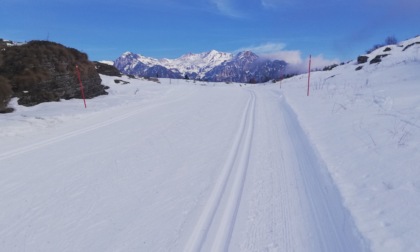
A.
pixel 187 166
pixel 366 126
pixel 167 167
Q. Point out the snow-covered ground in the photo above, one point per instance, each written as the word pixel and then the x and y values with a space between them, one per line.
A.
pixel 366 126
pixel 184 166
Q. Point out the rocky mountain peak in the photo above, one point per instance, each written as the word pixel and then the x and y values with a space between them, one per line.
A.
pixel 246 55
pixel 209 65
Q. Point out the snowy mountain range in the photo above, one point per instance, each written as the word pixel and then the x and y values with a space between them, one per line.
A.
pixel 210 66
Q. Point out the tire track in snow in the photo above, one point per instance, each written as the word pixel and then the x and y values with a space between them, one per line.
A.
pixel 228 188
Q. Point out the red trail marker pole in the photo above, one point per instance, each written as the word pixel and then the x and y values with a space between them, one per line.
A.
pixel 81 85
pixel 281 75
pixel 309 75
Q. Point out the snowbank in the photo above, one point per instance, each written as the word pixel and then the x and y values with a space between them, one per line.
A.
pixel 366 126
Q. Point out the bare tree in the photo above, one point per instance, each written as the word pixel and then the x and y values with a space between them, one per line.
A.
pixel 391 40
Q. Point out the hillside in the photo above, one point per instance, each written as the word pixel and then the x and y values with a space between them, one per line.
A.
pixel 364 119
pixel 43 71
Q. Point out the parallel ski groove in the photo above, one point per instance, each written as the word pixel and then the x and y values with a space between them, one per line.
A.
pixel 38 145
pixel 35 146
pixel 237 161
pixel 225 228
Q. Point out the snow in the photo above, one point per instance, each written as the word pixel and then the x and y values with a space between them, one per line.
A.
pixel 13 43
pixel 196 166
pixel 199 63
pixel 365 124
pixel 107 62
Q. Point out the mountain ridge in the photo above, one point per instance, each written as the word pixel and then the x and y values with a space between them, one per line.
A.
pixel 211 66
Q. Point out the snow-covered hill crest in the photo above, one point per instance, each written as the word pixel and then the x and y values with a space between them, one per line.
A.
pixel 387 55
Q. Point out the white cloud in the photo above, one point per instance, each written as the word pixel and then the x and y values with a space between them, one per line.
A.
pixel 266 48
pixel 274 51
pixel 266 3
pixel 292 57
pixel 275 3
pixel 317 62
pixel 226 8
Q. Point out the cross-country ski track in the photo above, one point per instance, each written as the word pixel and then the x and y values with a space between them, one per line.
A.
pixel 199 168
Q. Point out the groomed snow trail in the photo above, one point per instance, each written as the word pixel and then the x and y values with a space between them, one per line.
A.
pixel 287 203
pixel 226 195
pixel 202 168
pixel 131 111
pixel 290 202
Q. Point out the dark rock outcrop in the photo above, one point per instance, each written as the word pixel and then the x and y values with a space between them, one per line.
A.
pixel 5 95
pixel 362 59
pixel 359 68
pixel 378 58
pixel 43 71
pixel 106 69
pixel 410 45
pixel 3 44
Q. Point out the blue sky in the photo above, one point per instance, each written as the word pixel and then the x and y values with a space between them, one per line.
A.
pixel 291 29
